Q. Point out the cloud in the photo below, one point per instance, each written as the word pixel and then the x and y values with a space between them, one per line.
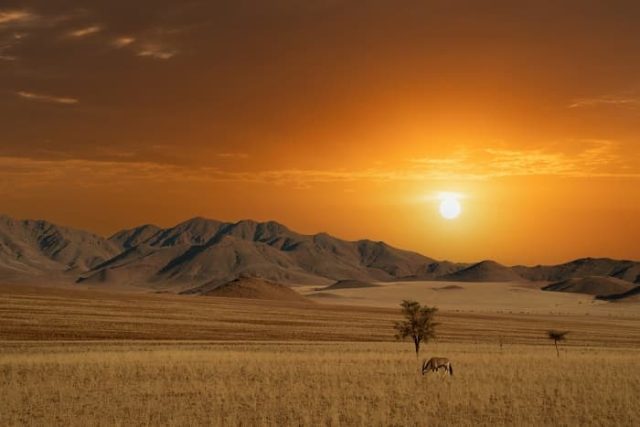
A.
pixel 11 39
pixel 123 41
pixel 604 101
pixel 153 50
pixel 597 159
pixel 27 172
pixel 156 51
pixel 84 32
pixel 13 17
pixel 47 98
pixel 20 172
pixel 9 42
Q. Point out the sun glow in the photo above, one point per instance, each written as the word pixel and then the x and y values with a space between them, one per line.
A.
pixel 450 207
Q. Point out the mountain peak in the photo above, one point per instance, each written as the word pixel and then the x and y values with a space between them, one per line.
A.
pixel 46 248
pixel 134 236
pixel 488 263
pixel 197 221
pixel 205 251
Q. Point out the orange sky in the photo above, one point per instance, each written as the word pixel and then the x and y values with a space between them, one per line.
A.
pixel 338 116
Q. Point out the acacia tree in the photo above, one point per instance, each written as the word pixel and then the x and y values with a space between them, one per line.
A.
pixel 557 336
pixel 419 324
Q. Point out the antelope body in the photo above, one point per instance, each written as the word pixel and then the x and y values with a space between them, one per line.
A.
pixel 435 363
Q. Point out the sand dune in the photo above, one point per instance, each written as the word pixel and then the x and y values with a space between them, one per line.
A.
pixel 632 295
pixel 597 286
pixel 485 271
pixel 348 284
pixel 449 288
pixel 252 288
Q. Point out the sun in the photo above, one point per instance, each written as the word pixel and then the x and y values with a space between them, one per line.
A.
pixel 450 207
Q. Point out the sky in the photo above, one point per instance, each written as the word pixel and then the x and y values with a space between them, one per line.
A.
pixel 348 117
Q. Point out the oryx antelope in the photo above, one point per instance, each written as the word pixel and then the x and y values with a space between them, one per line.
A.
pixel 435 363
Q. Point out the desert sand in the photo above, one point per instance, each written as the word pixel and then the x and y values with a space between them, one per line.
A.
pixel 598 286
pixel 253 288
pixel 497 297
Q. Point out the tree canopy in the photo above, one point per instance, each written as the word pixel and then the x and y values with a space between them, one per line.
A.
pixel 419 323
pixel 557 336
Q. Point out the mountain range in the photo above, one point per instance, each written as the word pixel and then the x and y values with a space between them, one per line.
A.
pixel 204 254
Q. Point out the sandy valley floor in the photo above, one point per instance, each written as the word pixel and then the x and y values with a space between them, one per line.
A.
pixel 507 297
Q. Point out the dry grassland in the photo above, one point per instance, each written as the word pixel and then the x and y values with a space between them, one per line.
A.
pixel 64 314
pixel 81 358
pixel 314 384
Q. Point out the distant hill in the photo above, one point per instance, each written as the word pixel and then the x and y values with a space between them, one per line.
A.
pixel 593 285
pixel 252 288
pixel 201 251
pixel 485 271
pixel 40 249
pixel 584 267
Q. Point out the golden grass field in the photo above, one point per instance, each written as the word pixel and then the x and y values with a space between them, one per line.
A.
pixel 314 384
pixel 78 357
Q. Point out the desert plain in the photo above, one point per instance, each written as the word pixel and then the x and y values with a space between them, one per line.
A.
pixel 81 355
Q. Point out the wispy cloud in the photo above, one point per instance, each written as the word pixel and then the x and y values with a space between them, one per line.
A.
pixel 145 49
pixel 11 17
pixel 123 41
pixel 604 101
pixel 26 19
pixel 7 43
pixel 84 32
pixel 47 98
pixel 156 51
pixel 598 159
